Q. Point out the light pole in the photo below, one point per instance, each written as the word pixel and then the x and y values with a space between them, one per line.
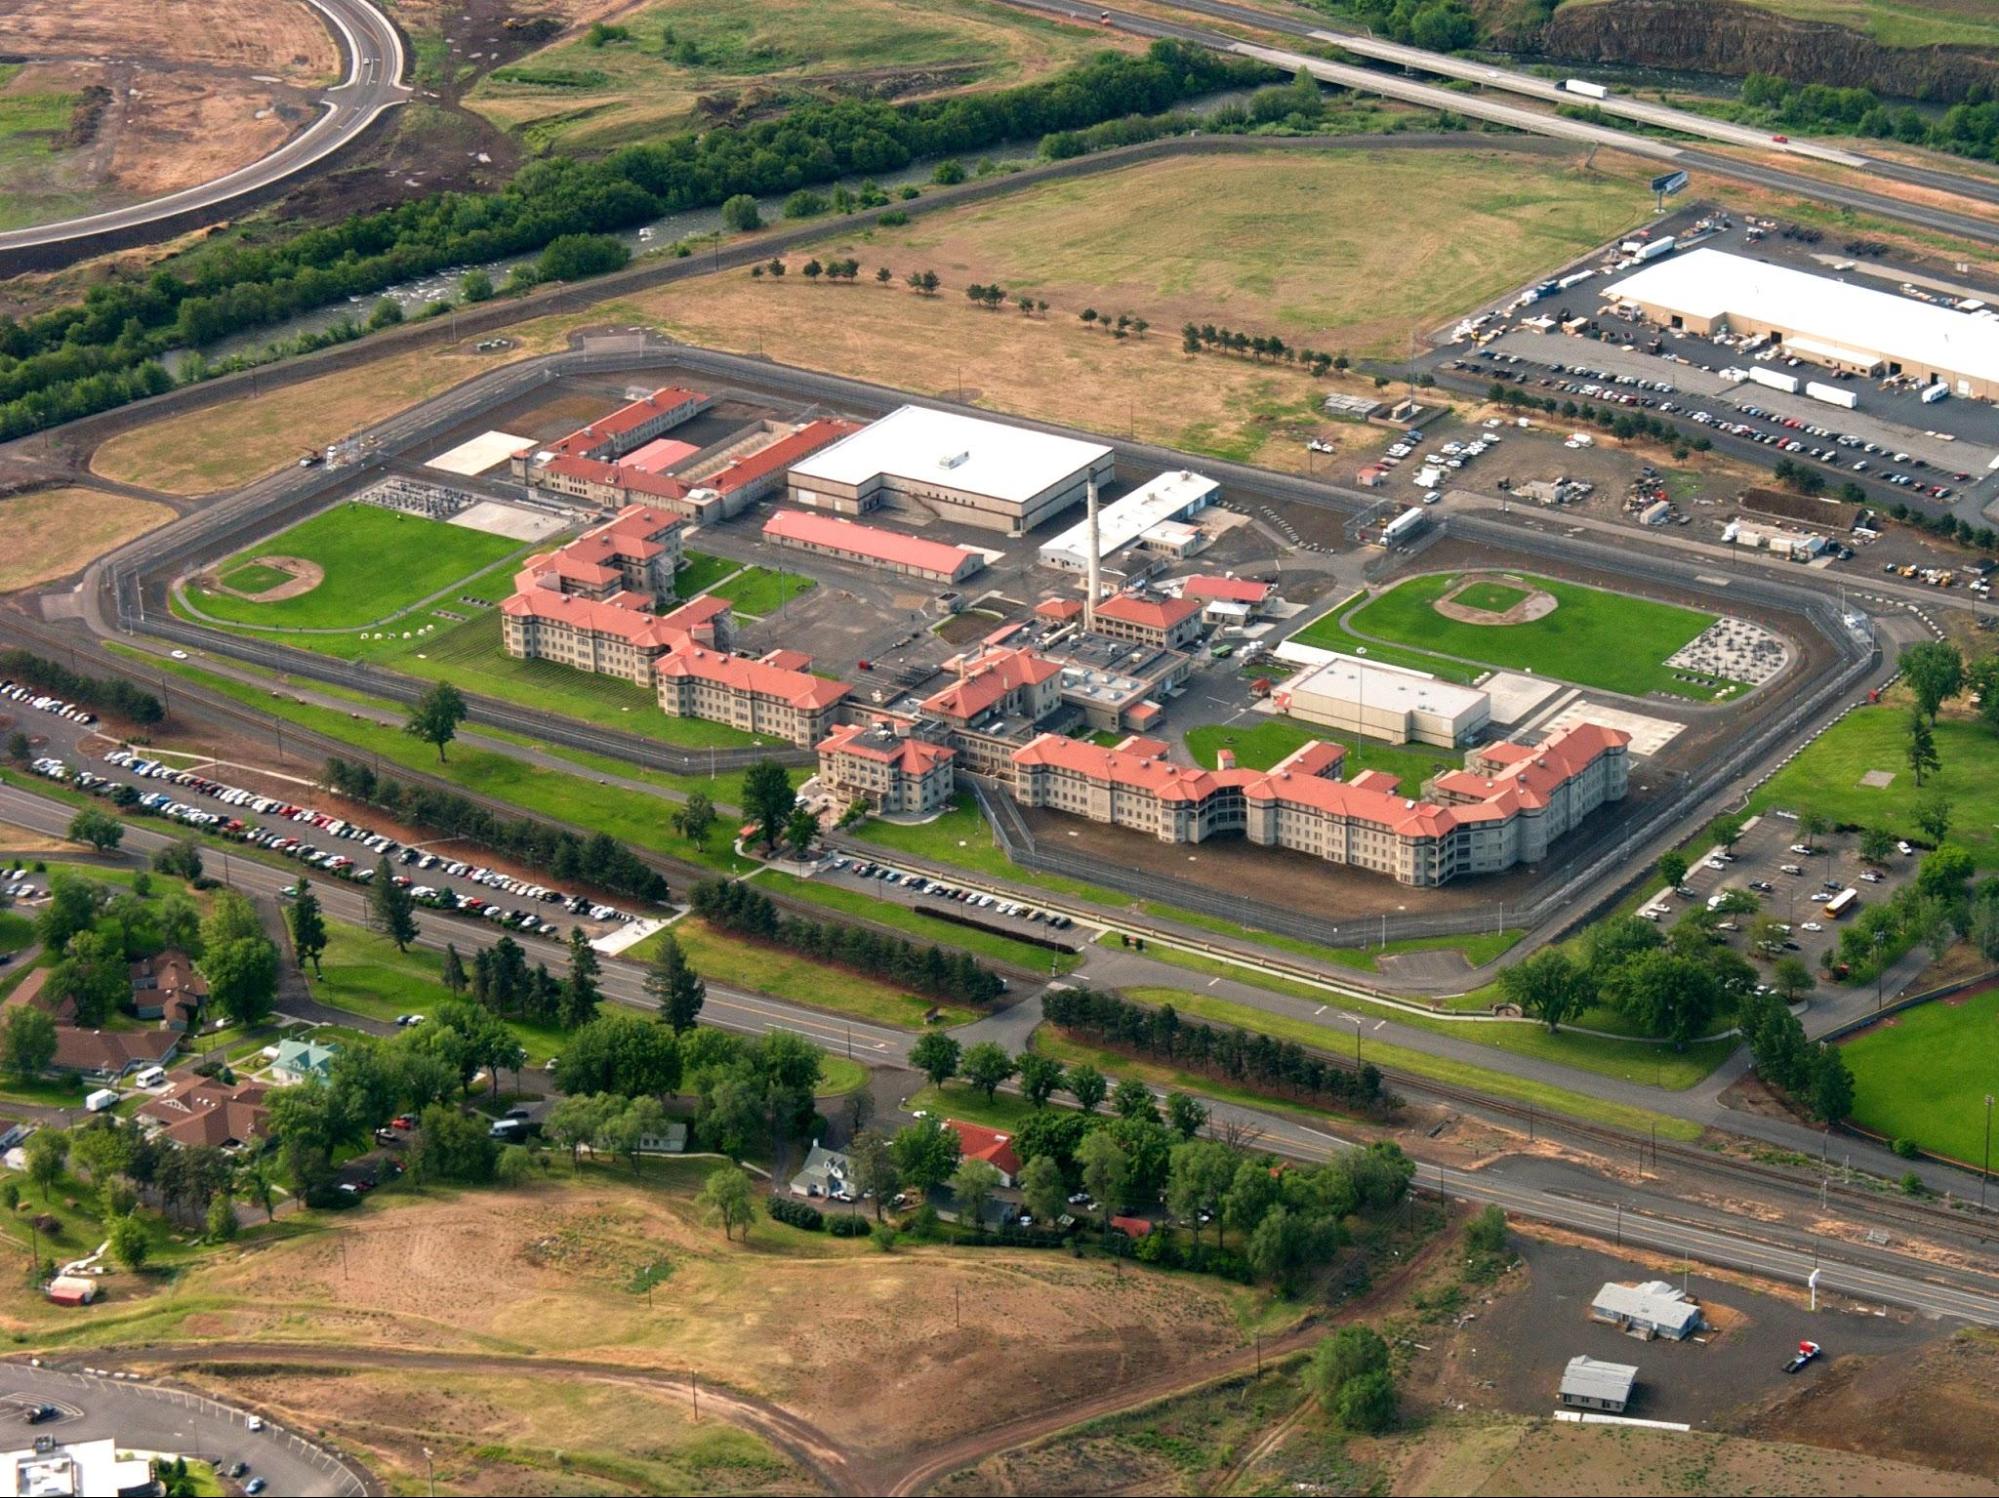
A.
pixel 1985 1174
pixel 430 1471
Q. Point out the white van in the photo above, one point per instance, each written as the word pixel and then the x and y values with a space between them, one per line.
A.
pixel 100 1100
pixel 152 1076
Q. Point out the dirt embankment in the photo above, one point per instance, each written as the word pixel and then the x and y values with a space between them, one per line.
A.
pixel 1713 36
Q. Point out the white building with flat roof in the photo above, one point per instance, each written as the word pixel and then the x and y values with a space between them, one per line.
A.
pixel 74 1469
pixel 1828 321
pixel 1391 703
pixel 960 468
pixel 1158 502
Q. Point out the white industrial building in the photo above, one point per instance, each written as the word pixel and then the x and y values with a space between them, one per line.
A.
pixel 959 468
pixel 1799 546
pixel 1154 507
pixel 1827 321
pixel 75 1469
pixel 1391 703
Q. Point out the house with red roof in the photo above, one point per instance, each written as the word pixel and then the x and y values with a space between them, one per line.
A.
pixel 976 1142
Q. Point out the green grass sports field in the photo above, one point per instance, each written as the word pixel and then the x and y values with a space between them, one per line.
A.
pixel 1924 1074
pixel 377 562
pixel 1592 638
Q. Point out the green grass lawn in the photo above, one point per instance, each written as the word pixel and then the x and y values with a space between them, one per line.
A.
pixel 1260 742
pixel 1925 1073
pixel 255 578
pixel 1328 632
pixel 1338 1040
pixel 1593 638
pixel 16 931
pixel 699 572
pixel 923 928
pixel 1826 777
pixel 1492 598
pixel 578 799
pixel 1895 23
pixel 758 591
pixel 366 975
pixel 961 1100
pixel 377 561
pixel 730 960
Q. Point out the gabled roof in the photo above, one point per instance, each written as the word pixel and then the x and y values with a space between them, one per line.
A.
pixel 910 755
pixel 976 1142
pixel 798 688
pixel 625 419
pixel 643 631
pixel 809 528
pixel 1059 608
pixel 988 680
pixel 1148 613
pixel 111 1050
pixel 199 1110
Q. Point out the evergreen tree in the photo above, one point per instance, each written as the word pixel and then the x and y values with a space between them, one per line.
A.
pixel 580 994
pixel 308 927
pixel 391 911
pixel 674 986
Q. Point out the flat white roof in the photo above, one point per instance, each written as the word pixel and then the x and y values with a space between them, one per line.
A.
pixel 1389 688
pixel 1921 336
pixel 1166 497
pixel 1002 462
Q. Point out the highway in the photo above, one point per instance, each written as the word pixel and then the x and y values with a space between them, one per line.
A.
pixel 1518 117
pixel 373 84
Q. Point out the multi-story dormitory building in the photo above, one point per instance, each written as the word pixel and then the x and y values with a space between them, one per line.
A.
pixel 590 606
pixel 1506 807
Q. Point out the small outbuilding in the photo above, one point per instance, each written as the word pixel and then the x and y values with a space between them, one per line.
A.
pixel 72 1290
pixel 1588 1384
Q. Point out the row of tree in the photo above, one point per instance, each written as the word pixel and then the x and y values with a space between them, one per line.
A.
pixel 104 694
pixel 1195 339
pixel 599 860
pixel 745 910
pixel 1969 128
pixel 103 351
pixel 1278 1066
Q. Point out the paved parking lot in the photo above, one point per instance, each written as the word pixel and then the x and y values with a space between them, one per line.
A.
pixel 1766 851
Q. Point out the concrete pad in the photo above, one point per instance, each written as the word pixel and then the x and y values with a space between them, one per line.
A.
pixel 516 522
pixel 1878 780
pixel 1648 735
pixel 1515 697
pixel 487 450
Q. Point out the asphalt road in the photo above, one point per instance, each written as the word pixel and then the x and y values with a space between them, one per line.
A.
pixel 373 84
pixel 144 1417
pixel 1517 117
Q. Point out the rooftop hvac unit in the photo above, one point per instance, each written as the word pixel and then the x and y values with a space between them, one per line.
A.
pixel 955 460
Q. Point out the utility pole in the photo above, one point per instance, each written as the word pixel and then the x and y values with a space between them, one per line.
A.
pixel 1985 1174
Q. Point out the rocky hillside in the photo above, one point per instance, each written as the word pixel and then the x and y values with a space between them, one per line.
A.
pixel 1714 36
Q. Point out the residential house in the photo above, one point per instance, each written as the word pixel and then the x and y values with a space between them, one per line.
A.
pixel 296 1060
pixel 168 988
pixel 197 1110
pixel 976 1142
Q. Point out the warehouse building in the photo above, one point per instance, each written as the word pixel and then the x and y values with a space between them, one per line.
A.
pixel 1149 515
pixel 871 546
pixel 1390 703
pixel 961 468
pixel 1827 321
pixel 1588 1384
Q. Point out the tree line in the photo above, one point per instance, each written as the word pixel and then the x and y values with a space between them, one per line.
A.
pixel 104 351
pixel 599 859
pixel 956 976
pixel 104 694
pixel 1278 1066
pixel 1969 128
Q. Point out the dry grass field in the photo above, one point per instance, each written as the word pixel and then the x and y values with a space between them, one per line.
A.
pixel 222 446
pixel 121 99
pixel 50 533
pixel 689 62
pixel 526 1434
pixel 891 1351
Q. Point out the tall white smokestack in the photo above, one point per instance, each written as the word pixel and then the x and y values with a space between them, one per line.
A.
pixel 1096 561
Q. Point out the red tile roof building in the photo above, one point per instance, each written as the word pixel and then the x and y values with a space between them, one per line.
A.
pixel 637 550
pixel 625 429
pixel 872 546
pixel 758 696
pixel 1505 808
pixel 896 773
pixel 1167 623
pixel 976 1142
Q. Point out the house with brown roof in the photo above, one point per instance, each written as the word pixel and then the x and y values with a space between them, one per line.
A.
pixel 107 1055
pixel 168 988
pixel 199 1110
